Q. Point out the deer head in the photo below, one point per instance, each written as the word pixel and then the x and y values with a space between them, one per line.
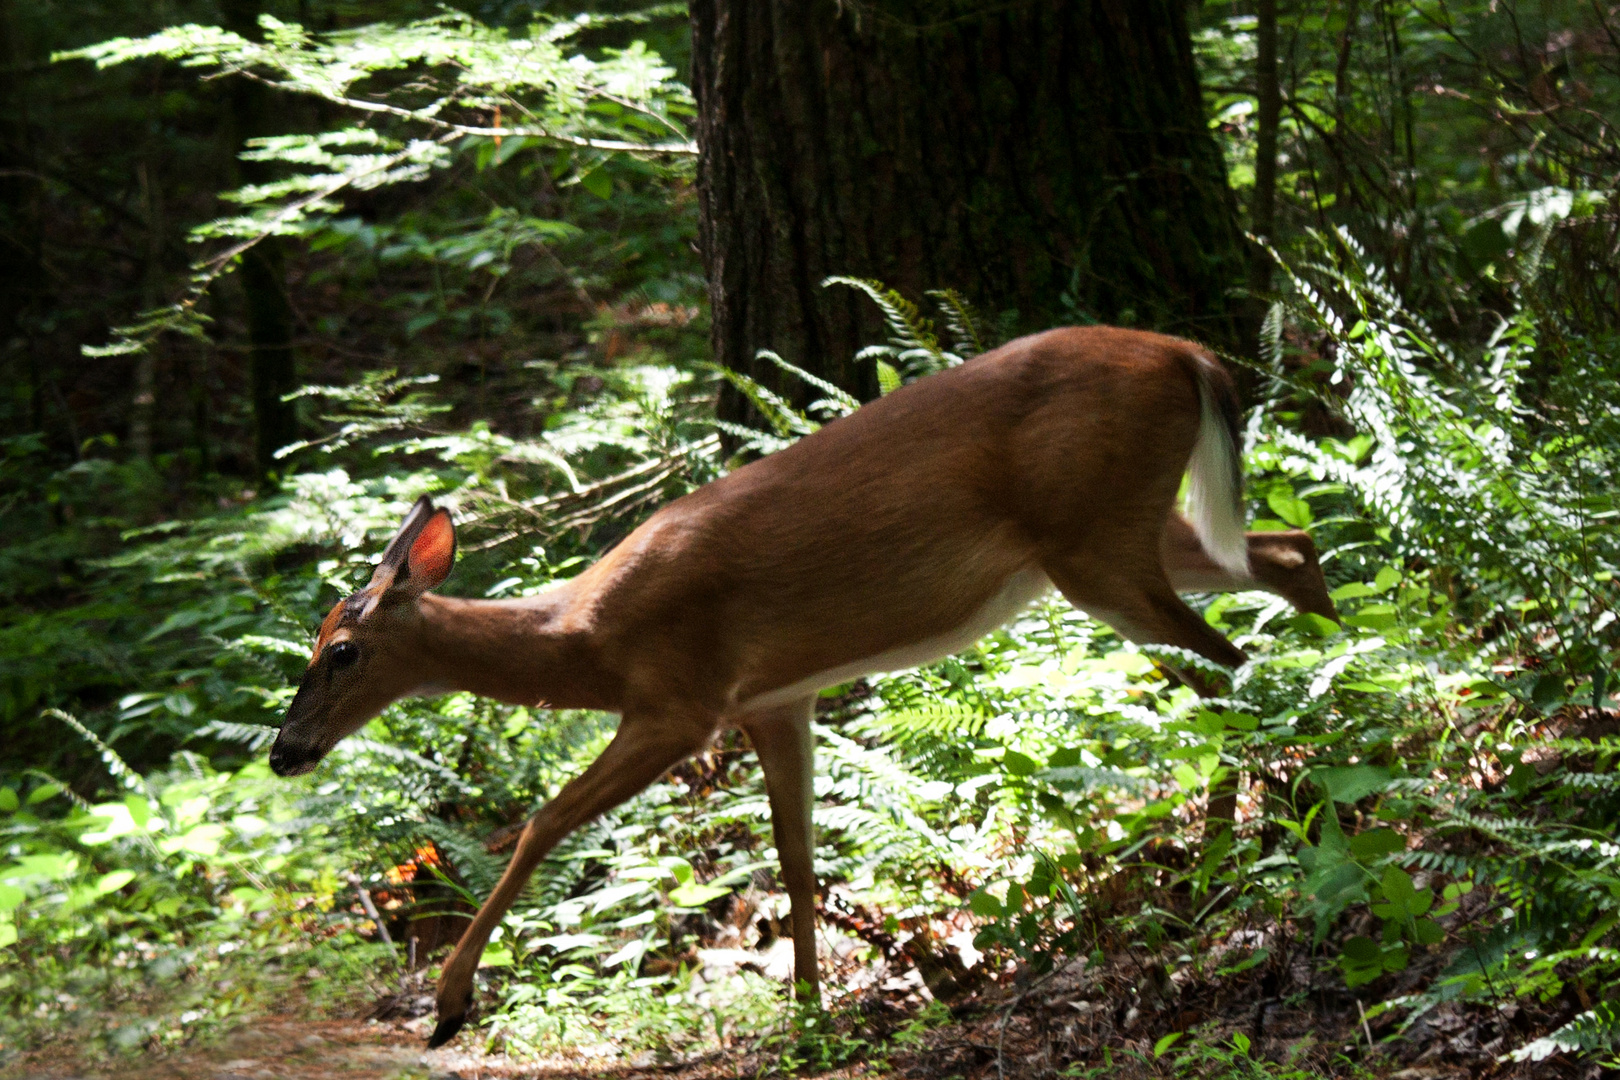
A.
pixel 362 661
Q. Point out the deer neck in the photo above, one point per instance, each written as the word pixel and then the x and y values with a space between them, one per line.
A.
pixel 531 651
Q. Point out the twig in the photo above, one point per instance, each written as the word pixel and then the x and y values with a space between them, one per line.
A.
pixel 1001 1033
pixel 371 910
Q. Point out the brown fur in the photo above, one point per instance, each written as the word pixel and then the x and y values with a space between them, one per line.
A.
pixel 1059 454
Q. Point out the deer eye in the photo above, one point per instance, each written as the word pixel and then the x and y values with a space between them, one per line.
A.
pixel 342 654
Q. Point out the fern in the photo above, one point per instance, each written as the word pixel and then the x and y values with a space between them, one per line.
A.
pixel 1596 1029
pixel 110 758
pixel 254 737
pixel 970 334
pixel 413 762
pixel 480 870
pixel 927 722
pixel 913 343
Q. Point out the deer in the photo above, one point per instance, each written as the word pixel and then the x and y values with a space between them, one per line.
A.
pixel 886 539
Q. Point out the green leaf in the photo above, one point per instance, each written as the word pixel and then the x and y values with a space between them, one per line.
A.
pixel 1292 509
pixel 1429 932
pixel 53 867
pixel 1363 950
pixel 1370 845
pixel 1309 622
pixel 1064 757
pixel 1240 721
pixel 984 904
pixel 200 840
pixel 1388 577
pixel 8 800
pixel 1165 1043
pixel 140 811
pixel 888 378
pixel 1018 764
pixel 1351 783
pixel 696 895
pixel 43 792
pixel 10 898
pixel 1254 959
pixel 8 933
pixel 1395 959
pixel 598 183
pixel 114 881
pixel 517 723
pixel 1397 886
pixel 1548 693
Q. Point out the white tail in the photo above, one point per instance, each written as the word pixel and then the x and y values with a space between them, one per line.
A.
pixel 1215 473
pixel 888 538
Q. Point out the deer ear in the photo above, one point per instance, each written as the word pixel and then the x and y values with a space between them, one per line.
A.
pixel 392 563
pixel 432 554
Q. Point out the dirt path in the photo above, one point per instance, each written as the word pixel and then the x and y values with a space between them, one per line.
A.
pixel 282 1048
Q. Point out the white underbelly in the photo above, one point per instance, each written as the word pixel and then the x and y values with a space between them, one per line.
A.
pixel 1019 591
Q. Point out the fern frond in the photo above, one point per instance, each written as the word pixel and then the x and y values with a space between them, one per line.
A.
pixel 115 764
pixel 930 721
pixel 784 419
pixel 910 332
pixel 752 440
pixel 253 736
pixel 837 399
pixel 401 756
pixel 970 333
pixel 465 852
pixel 1596 1029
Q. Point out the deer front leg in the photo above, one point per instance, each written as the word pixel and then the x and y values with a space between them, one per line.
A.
pixel 641 751
pixel 782 739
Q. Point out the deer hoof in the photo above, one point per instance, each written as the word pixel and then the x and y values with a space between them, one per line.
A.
pixel 446 1030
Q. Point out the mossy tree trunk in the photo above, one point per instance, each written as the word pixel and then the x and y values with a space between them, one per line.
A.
pixel 1050 157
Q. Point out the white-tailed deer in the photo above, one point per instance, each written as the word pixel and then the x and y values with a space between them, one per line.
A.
pixel 889 538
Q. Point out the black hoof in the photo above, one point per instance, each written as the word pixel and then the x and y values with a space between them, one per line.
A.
pixel 446 1031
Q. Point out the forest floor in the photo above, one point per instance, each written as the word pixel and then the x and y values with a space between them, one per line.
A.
pixel 1054 1026
pixel 1289 1019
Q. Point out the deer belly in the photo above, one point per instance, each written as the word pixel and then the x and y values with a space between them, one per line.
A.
pixel 1016 594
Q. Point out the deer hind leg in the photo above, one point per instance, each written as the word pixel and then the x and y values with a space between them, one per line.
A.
pixel 644 747
pixel 782 739
pixel 1139 602
pixel 1284 563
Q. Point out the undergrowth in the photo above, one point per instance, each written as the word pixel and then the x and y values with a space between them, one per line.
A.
pixel 1425 795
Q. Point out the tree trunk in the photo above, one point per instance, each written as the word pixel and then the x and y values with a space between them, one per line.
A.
pixel 1049 157
pixel 272 369
pixel 20 270
pixel 143 407
pixel 1268 96
pixel 272 363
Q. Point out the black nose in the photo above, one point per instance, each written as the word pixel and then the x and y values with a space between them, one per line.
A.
pixel 287 761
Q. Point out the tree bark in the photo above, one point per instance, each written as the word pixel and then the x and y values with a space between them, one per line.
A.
pixel 273 369
pixel 20 270
pixel 143 407
pixel 1050 157
pixel 272 362
pixel 1268 98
